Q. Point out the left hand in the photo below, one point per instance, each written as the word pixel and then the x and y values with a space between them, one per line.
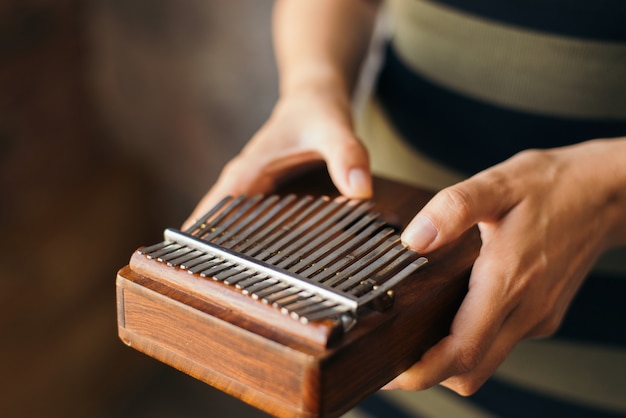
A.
pixel 544 218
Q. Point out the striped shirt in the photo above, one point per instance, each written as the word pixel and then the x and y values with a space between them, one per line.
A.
pixel 466 84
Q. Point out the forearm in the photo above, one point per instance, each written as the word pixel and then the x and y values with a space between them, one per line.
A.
pixel 321 43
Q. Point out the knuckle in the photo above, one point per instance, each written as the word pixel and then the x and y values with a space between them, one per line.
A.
pixel 352 146
pixel 457 197
pixel 548 327
pixel 469 356
pixel 234 164
pixel 458 200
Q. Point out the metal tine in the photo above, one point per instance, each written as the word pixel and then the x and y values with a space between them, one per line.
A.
pixel 351 262
pixel 325 304
pixel 251 281
pixel 262 227
pixel 287 229
pixel 198 226
pixel 203 266
pixel 181 251
pixel 300 295
pixel 309 230
pixel 292 307
pixel 348 253
pixel 305 232
pixel 259 286
pixel 155 247
pixel 391 282
pixel 372 268
pixel 182 259
pixel 340 244
pixel 324 313
pixel 362 263
pixel 241 219
pixel 309 312
pixel 335 226
pixel 233 236
pixel 259 240
pixel 209 226
pixel 244 275
pixel 165 250
pixel 406 257
pixel 219 229
pixel 272 290
pixel 223 275
pixel 195 261
pixel 289 291
pixel 210 272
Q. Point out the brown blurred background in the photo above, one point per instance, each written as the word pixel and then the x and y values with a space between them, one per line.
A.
pixel 115 117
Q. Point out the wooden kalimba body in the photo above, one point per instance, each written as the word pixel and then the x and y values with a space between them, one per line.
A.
pixel 299 304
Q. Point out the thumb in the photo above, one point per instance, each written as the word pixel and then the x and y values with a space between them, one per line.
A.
pixel 456 209
pixel 348 166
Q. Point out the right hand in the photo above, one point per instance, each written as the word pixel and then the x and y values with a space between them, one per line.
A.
pixel 307 126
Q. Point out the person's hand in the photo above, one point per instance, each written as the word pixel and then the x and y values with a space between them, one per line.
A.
pixel 544 218
pixel 307 126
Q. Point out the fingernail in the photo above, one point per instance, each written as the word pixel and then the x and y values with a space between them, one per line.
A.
pixel 420 233
pixel 359 183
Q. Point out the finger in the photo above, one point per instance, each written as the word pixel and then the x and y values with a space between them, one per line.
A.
pixel 472 334
pixel 452 211
pixel 348 165
pixel 468 383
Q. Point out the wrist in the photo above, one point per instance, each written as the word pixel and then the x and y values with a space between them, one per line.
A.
pixel 317 79
pixel 607 175
pixel 324 93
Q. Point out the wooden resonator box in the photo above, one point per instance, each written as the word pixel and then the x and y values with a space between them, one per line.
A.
pixel 301 303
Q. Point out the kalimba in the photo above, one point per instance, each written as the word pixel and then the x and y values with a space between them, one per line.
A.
pixel 299 304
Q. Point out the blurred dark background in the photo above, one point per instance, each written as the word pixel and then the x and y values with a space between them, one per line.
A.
pixel 115 117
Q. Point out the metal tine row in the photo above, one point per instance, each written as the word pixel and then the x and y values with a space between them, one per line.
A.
pixel 319 225
pixel 229 216
pixel 331 234
pixel 263 228
pixel 154 248
pixel 324 256
pixel 290 300
pixel 166 248
pixel 395 264
pixel 395 279
pixel 317 311
pixel 311 309
pixel 363 260
pixel 295 302
pixel 321 314
pixel 186 258
pixel 338 260
pixel 373 267
pixel 189 264
pixel 200 224
pixel 255 220
pixel 264 234
pixel 296 228
pixel 338 243
pixel 182 251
